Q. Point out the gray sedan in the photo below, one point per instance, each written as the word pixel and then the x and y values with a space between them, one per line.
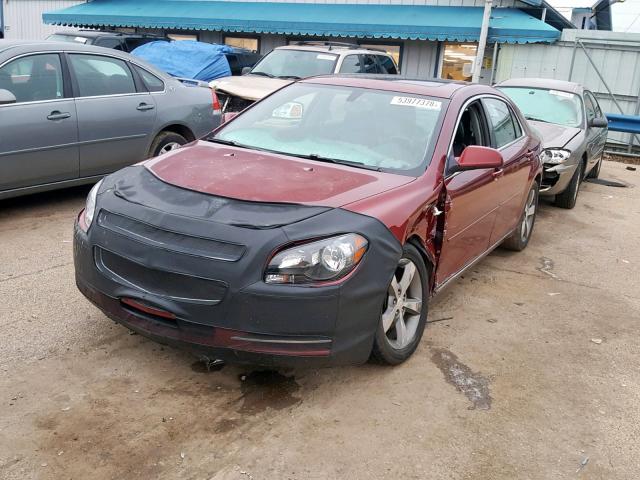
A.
pixel 69 114
pixel 573 130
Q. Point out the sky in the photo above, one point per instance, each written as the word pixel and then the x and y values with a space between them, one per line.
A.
pixel 626 16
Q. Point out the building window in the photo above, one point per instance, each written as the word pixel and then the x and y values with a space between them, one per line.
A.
pixel 249 43
pixel 392 49
pixel 457 61
pixel 183 36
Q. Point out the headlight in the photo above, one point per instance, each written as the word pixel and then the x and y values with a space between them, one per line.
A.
pixel 90 207
pixel 554 156
pixel 321 261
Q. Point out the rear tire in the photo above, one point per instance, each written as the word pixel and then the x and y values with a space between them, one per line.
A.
pixel 520 237
pixel 567 199
pixel 166 142
pixel 595 171
pixel 404 310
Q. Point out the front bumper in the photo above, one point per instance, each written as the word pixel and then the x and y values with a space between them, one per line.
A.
pixel 218 305
pixel 556 178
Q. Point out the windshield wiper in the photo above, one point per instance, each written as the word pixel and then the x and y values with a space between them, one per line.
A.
pixel 264 74
pixel 338 161
pixel 292 77
pixel 227 142
pixel 528 117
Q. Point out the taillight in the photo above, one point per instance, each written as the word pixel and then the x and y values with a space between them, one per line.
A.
pixel 217 109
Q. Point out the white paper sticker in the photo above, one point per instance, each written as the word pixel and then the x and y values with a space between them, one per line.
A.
pixel 558 93
pixel 80 40
pixel 417 102
pixel 322 56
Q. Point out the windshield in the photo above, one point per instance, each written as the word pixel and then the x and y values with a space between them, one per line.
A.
pixel 69 38
pixel 552 106
pixel 285 63
pixel 357 126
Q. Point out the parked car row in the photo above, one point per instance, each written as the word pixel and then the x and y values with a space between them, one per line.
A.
pixel 313 227
pixel 71 113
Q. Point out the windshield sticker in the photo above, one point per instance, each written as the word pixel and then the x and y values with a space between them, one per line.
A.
pixel 322 56
pixel 558 93
pixel 289 111
pixel 80 40
pixel 417 102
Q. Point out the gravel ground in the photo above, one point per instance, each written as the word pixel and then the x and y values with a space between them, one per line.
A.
pixel 530 369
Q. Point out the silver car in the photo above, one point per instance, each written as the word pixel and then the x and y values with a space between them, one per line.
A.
pixel 69 114
pixel 573 131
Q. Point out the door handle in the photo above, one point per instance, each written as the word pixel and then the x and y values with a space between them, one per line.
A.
pixel 498 173
pixel 529 153
pixel 145 106
pixel 57 115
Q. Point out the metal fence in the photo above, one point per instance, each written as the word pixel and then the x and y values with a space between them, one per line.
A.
pixel 607 63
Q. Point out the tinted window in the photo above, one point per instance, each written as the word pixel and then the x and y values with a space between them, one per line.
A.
pixel 387 65
pixel 370 64
pixel 502 122
pixel 351 64
pixel 98 75
pixel 33 78
pixel 471 129
pixel 107 42
pixel 589 107
pixel 153 83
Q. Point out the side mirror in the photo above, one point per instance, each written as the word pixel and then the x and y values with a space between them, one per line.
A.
pixel 599 122
pixel 6 97
pixel 475 157
pixel 245 70
pixel 226 117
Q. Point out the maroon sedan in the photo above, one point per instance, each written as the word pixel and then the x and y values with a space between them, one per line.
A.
pixel 313 227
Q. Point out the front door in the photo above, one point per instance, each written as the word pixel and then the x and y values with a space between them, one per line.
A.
pixel 38 133
pixel 115 119
pixel 471 204
pixel 507 137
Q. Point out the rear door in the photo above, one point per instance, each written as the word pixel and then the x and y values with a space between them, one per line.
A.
pixel 39 133
pixel 116 113
pixel 507 136
pixel 472 199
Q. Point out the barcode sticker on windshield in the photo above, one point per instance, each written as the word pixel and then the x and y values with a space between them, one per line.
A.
pixel 558 93
pixel 325 57
pixel 417 102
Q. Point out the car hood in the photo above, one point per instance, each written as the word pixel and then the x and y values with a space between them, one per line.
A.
pixel 251 175
pixel 553 135
pixel 250 87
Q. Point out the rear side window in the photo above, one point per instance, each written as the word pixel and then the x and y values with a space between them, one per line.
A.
pixel 98 75
pixel 387 65
pixel 370 64
pixel 107 42
pixel 33 78
pixel 502 122
pixel 351 64
pixel 153 83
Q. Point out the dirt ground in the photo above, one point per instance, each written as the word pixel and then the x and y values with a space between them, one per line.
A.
pixel 530 369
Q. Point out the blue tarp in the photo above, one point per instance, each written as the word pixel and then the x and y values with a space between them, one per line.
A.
pixel 405 22
pixel 187 59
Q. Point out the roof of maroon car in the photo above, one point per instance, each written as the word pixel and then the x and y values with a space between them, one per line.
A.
pixel 394 83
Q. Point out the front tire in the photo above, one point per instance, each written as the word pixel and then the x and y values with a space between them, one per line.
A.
pixel 166 142
pixel 520 237
pixel 595 171
pixel 567 199
pixel 404 310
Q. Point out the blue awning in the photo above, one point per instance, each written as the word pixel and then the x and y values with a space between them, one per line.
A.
pixel 405 22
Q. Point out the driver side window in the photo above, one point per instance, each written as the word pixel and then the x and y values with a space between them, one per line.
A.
pixel 471 130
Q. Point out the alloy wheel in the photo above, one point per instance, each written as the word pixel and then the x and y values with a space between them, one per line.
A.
pixel 529 216
pixel 403 307
pixel 169 147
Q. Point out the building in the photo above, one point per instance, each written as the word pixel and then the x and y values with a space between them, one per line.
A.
pixel 22 19
pixel 427 37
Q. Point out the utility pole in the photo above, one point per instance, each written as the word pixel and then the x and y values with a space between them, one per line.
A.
pixel 482 43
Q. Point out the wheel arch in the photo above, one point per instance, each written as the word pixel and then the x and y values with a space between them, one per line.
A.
pixel 427 257
pixel 178 128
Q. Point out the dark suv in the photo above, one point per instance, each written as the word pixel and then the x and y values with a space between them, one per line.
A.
pixel 126 42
